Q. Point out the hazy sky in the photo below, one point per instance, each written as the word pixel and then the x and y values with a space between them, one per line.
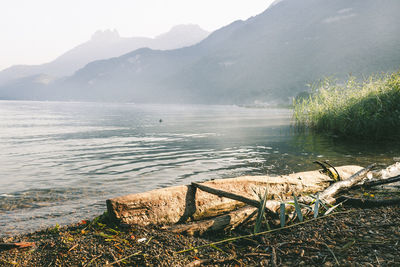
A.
pixel 37 31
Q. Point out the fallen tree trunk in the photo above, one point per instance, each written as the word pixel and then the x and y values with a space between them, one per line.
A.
pixel 182 203
pixel 329 195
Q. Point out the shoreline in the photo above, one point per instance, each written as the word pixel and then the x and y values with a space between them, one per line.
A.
pixel 349 236
pixel 358 237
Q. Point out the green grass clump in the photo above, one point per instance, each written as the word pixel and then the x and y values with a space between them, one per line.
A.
pixel 369 109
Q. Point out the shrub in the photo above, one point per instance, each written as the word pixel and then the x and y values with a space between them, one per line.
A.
pixel 367 109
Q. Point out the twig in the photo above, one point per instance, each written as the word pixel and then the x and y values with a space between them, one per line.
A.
pixel 5 246
pixel 376 256
pixel 115 258
pixel 333 254
pixel 349 244
pixel 95 258
pixel 329 193
pixel 274 260
pixel 261 233
pixel 73 247
pixel 134 254
pixel 258 254
pixel 373 183
pixel 334 207
pixel 148 241
pixel 9 262
pixel 198 263
pixel 217 248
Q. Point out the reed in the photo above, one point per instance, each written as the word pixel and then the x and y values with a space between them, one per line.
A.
pixel 368 109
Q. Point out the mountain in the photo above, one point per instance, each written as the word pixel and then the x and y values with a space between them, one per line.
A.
pixel 103 45
pixel 269 57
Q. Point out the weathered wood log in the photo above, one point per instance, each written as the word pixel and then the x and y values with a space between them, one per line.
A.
pixel 331 192
pixel 182 203
pixel 328 194
pixel 229 220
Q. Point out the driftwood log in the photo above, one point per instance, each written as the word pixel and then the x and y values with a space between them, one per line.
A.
pixel 181 204
pixel 234 218
pixel 204 203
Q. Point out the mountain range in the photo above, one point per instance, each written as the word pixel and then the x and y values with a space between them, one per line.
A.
pixel 269 57
pixel 105 44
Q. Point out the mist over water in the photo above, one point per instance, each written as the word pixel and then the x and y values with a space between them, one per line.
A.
pixel 60 161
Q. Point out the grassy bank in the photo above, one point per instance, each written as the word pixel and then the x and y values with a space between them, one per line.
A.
pixel 368 109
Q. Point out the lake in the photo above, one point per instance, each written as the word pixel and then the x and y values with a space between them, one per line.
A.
pixel 60 161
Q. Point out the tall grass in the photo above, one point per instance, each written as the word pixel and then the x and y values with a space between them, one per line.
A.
pixel 368 109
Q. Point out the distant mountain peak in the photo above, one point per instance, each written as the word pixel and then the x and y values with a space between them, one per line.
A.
pixel 105 44
pixel 106 35
pixel 185 29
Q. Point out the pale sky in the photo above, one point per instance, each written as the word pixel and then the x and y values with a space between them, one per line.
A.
pixel 37 31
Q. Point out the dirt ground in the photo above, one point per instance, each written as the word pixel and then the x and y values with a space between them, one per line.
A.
pixel 354 237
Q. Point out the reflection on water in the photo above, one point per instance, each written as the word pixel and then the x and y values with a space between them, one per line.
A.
pixel 60 161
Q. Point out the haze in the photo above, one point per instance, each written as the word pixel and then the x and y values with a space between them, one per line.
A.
pixel 35 32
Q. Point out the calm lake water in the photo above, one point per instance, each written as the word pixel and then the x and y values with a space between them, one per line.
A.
pixel 59 162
